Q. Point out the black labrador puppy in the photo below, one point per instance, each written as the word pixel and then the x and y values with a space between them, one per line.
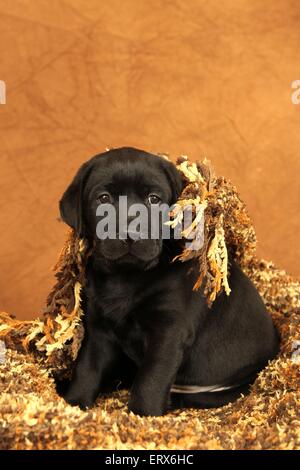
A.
pixel 145 328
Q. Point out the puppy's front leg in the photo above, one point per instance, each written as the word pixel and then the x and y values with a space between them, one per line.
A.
pixel 97 355
pixel 151 387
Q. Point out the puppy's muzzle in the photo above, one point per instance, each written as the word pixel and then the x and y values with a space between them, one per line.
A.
pixel 130 245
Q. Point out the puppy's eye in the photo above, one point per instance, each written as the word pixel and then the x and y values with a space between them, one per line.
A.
pixel 104 198
pixel 154 199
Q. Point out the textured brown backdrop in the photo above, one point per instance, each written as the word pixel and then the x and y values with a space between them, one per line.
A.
pixel 206 78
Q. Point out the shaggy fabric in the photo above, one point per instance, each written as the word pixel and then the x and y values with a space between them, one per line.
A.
pixel 32 416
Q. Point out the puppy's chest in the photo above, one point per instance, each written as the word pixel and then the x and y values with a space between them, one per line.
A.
pixel 114 300
pixel 118 314
pixel 113 306
pixel 127 311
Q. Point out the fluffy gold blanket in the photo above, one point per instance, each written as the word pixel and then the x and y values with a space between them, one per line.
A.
pixel 32 416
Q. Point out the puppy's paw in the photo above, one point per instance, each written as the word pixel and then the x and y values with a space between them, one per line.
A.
pixel 78 399
pixel 143 408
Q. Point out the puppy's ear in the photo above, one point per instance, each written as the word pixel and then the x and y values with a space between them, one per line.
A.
pixel 175 180
pixel 70 205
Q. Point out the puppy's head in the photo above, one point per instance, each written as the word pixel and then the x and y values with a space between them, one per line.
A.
pixel 112 200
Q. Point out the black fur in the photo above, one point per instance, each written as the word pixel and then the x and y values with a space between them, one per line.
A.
pixel 144 326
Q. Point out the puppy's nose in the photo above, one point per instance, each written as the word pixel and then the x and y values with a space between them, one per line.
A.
pixel 130 236
pixel 133 235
